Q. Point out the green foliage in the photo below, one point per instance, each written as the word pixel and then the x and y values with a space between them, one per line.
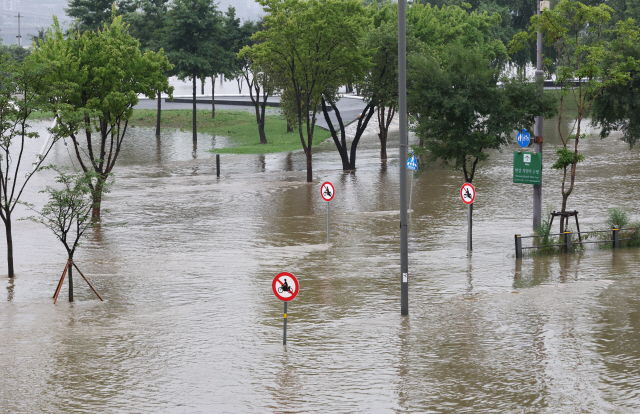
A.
pixel 92 15
pixel 439 28
pixel 193 38
pixel 15 52
pixel 587 51
pixel 617 218
pixel 460 111
pixel 98 77
pixel 68 212
pixel 566 158
pixel 313 45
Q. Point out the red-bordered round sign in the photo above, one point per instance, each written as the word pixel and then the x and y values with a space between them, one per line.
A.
pixel 467 193
pixel 285 286
pixel 326 191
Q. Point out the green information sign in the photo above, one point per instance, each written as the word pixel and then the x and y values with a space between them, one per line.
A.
pixel 527 167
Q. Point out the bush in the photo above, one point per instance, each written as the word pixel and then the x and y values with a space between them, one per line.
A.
pixel 617 218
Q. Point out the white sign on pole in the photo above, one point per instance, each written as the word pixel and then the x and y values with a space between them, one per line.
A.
pixel 327 191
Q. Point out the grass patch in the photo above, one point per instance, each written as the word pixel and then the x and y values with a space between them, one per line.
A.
pixel 239 126
pixel 41 115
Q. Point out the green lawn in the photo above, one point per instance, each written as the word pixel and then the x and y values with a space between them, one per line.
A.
pixel 240 126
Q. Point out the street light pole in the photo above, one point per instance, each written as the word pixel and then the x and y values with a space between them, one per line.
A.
pixel 537 132
pixel 19 36
pixel 404 143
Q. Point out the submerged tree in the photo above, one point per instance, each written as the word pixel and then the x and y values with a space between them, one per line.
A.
pixel 105 72
pixel 68 215
pixel 587 53
pixel 461 111
pixel 313 47
pixel 23 90
pixel 193 39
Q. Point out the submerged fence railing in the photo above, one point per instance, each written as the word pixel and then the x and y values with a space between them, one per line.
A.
pixel 567 243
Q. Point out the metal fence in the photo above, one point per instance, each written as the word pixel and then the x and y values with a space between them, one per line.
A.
pixel 568 243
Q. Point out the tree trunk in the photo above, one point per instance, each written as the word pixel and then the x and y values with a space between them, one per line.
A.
pixel 202 82
pixel 383 145
pixel 289 127
pixel 263 137
pixel 159 112
pixel 195 133
pixel 69 273
pixel 309 170
pixel 97 199
pixel 213 97
pixel 7 229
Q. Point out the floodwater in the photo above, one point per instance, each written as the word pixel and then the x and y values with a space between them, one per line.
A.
pixel 190 325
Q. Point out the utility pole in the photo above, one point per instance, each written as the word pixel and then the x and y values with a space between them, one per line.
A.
pixel 404 143
pixel 537 129
pixel 19 36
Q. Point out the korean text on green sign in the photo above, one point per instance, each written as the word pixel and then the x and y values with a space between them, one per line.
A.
pixel 527 167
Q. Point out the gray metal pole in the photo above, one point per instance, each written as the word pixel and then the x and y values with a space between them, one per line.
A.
pixel 284 329
pixel 404 143
pixel 411 192
pixel 537 132
pixel 19 35
pixel 469 232
pixel 328 202
pixel 218 165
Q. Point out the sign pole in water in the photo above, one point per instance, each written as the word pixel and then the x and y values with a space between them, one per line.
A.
pixel 285 286
pixel 412 164
pixel 327 192
pixel 468 195
pixel 404 143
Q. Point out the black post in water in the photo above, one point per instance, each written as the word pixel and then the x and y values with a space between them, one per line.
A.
pixel 70 284
pixel 284 330
pixel 567 241
pixel 217 165
pixel 404 143
pixel 518 247
pixel 616 238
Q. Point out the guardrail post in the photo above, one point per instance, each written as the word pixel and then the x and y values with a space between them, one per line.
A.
pixel 616 238
pixel 518 247
pixel 567 241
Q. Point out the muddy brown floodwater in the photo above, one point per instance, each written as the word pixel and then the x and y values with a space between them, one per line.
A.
pixel 190 325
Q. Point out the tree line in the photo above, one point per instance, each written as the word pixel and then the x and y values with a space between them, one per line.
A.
pixel 462 104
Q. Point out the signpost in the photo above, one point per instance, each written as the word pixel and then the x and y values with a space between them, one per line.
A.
pixel 285 286
pixel 468 195
pixel 412 164
pixel 327 192
pixel 524 139
pixel 527 168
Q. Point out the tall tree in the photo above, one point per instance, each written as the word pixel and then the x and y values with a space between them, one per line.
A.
pixel 380 87
pixel 310 43
pixel 106 72
pixel 193 39
pixel 24 90
pixel 577 33
pixel 461 111
pixel 146 25
pixel 91 15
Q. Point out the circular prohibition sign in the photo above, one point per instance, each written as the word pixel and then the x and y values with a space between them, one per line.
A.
pixel 285 286
pixel 467 193
pixel 327 191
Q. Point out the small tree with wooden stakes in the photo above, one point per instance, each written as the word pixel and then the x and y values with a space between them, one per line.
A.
pixel 68 215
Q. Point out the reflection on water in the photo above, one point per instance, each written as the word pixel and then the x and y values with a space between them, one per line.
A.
pixel 190 324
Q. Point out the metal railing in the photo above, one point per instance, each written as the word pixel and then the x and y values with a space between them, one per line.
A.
pixel 568 242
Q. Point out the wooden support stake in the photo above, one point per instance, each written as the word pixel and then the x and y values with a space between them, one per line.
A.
pixel 86 280
pixel 55 295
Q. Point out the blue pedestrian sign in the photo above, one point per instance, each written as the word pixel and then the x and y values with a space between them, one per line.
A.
pixel 524 138
pixel 412 163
